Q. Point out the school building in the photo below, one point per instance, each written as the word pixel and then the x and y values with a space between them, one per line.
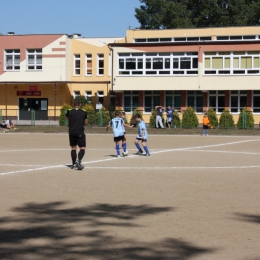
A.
pixel 202 68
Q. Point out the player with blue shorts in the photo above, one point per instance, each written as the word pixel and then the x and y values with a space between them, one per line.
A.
pixel 141 136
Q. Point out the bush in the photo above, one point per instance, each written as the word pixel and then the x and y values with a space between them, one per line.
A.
pixel 189 119
pixel 63 111
pixel 82 99
pixel 103 117
pixel 136 111
pixel 226 119
pixel 152 122
pixel 246 119
pixel 91 113
pixel 212 117
pixel 176 121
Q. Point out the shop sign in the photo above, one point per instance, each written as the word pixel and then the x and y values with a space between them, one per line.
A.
pixel 29 93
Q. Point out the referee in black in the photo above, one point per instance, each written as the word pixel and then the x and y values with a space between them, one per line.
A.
pixel 77 118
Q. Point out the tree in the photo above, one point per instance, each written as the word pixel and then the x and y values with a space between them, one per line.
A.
pixel 170 14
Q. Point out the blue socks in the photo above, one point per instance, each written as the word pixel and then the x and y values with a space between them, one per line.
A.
pixel 124 146
pixel 117 149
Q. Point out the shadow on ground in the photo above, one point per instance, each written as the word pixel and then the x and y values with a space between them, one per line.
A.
pixel 248 218
pixel 55 231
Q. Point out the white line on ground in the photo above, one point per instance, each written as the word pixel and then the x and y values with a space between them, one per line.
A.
pixel 132 156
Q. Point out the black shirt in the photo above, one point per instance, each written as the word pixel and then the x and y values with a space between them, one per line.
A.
pixel 76 118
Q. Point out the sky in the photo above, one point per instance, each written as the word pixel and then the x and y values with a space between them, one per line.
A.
pixel 90 18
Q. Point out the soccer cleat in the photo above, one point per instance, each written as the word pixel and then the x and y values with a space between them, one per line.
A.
pixel 79 165
pixel 147 154
pixel 74 167
pixel 118 156
pixel 139 152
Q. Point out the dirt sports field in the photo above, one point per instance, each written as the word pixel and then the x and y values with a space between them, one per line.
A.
pixel 195 197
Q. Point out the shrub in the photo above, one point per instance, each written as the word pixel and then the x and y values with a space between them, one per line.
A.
pixel 212 117
pixel 189 119
pixel 176 121
pixel 82 99
pixel 246 119
pixel 136 111
pixel 152 122
pixel 63 111
pixel 226 119
pixel 103 117
pixel 91 113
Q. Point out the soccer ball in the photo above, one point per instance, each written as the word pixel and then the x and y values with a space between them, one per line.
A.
pixel 125 153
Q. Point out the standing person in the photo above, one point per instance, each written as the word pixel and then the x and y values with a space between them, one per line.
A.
pixel 77 118
pixel 205 122
pixel 160 110
pixel 118 126
pixel 169 112
pixel 141 136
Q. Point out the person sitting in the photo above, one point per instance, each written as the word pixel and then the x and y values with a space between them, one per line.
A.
pixel 8 124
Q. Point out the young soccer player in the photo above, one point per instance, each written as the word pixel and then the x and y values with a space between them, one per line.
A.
pixel 141 136
pixel 118 125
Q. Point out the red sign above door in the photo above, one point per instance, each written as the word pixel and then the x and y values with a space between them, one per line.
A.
pixel 29 93
pixel 33 88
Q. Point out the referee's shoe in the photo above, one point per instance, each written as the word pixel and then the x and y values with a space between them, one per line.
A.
pixel 79 165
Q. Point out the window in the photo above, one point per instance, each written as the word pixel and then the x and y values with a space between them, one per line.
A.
pixel 76 93
pixel 256 101
pixel 195 100
pixel 12 60
pixel 76 64
pixel 238 100
pixel 88 64
pixel 151 100
pixel 34 59
pixel 184 63
pixel 173 99
pixel 100 97
pixel 131 100
pixel 217 100
pixel 88 96
pixel 232 63
pixel 100 64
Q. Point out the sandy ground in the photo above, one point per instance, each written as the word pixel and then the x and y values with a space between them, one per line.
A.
pixel 194 198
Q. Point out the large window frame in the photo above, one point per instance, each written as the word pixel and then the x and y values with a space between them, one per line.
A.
pixel 76 64
pixel 131 100
pixel 238 100
pixel 173 99
pixel 195 100
pixel 151 100
pixel 34 59
pixel 154 64
pixel 216 100
pixel 256 101
pixel 12 60
pixel 231 63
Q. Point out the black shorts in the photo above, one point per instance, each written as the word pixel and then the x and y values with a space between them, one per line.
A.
pixel 141 139
pixel 205 127
pixel 119 138
pixel 4 126
pixel 79 140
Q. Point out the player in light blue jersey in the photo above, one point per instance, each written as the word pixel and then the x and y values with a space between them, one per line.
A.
pixel 118 126
pixel 141 136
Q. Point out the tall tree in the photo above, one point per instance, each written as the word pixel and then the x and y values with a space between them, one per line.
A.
pixel 166 14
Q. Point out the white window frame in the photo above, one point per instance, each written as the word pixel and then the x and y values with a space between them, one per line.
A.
pixel 100 97
pixel 154 64
pixel 12 60
pixel 100 60
pixel 89 65
pixel 76 93
pixel 88 96
pixel 76 64
pixel 237 95
pixel 195 95
pixel 252 69
pixel 34 59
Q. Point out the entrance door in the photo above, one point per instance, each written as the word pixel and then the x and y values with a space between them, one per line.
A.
pixel 40 105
